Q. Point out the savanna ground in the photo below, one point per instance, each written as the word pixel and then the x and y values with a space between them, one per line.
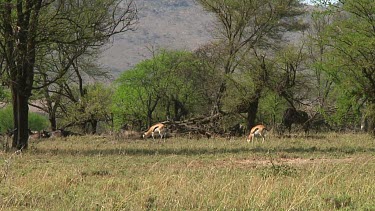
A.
pixel 323 172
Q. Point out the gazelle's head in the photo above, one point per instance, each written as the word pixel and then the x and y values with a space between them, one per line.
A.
pixel 248 139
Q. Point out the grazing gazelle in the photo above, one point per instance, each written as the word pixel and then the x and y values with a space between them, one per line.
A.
pixel 257 131
pixel 160 128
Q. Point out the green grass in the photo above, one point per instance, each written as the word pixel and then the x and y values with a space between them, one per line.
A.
pixel 325 172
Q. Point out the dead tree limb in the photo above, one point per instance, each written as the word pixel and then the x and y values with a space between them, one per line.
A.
pixel 197 125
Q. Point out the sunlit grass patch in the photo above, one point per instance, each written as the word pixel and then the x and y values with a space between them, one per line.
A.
pixel 90 173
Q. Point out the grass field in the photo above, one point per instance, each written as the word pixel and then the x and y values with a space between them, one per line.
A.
pixel 324 172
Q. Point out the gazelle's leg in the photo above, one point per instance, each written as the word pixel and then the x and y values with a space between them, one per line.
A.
pixel 164 133
pixel 152 134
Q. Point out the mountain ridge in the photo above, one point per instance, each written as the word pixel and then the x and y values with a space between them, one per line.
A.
pixel 164 24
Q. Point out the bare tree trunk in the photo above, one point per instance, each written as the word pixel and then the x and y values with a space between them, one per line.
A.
pixel 151 106
pixel 20 21
pixel 252 112
pixel 149 118
pixel 20 111
pixel 52 120
pixel 94 125
pixel 218 104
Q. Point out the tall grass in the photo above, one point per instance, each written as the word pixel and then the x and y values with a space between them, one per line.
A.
pixel 95 173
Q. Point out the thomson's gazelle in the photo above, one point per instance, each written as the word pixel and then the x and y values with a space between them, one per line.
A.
pixel 160 128
pixel 257 131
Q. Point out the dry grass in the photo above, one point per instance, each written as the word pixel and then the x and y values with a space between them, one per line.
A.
pixel 95 173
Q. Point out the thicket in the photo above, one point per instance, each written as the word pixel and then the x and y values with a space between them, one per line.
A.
pixel 36 121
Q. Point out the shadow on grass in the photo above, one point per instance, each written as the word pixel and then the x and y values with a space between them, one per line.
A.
pixel 309 136
pixel 200 151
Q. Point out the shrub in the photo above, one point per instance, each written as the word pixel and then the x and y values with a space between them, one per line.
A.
pixel 36 121
pixel 6 119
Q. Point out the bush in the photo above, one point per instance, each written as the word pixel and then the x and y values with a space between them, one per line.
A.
pixel 6 119
pixel 36 121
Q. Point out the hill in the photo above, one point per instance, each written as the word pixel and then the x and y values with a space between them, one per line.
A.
pixel 170 24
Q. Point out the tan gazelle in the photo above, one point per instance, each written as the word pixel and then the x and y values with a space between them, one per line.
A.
pixel 159 127
pixel 257 131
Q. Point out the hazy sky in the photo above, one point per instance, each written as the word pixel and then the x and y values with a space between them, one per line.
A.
pixel 307 1
pixel 310 1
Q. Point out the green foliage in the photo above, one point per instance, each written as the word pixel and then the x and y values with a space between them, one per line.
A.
pixel 243 22
pixel 348 58
pixel 128 97
pixel 6 119
pixel 93 106
pixel 353 44
pixel 36 121
pixel 347 108
pixel 97 101
pixel 240 91
pixel 44 43
pixel 271 109
pixel 136 93
pixel 170 84
pixel 5 95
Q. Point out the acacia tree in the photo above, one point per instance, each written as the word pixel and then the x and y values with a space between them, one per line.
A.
pixel 290 79
pixel 316 50
pixel 19 22
pixel 52 95
pixel 243 26
pixel 170 85
pixel 57 75
pixel 350 62
pixel 29 27
pixel 91 109
pixel 140 91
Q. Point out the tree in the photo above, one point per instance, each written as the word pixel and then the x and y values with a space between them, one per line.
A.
pixel 52 94
pixel 183 84
pixel 29 29
pixel 19 22
pixel 245 26
pixel 170 85
pixel 89 110
pixel 316 50
pixel 350 61
pixel 131 101
pixel 290 79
